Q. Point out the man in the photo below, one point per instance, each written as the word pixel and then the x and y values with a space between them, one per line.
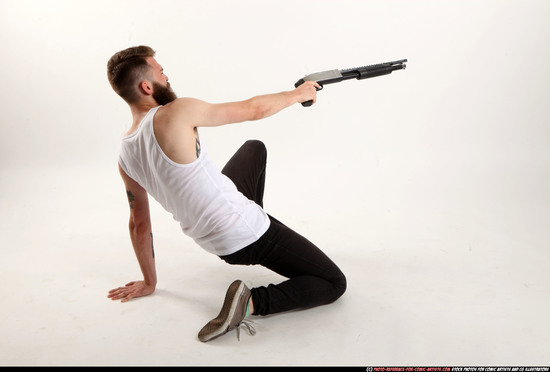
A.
pixel 162 155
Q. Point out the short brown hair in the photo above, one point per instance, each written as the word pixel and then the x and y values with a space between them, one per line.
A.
pixel 126 68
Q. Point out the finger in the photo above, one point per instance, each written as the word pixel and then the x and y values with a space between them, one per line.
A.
pixel 119 289
pixel 123 297
pixel 127 298
pixel 112 291
pixel 118 293
pixel 116 296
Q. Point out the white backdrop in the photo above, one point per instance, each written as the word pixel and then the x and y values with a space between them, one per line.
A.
pixel 477 74
pixel 435 163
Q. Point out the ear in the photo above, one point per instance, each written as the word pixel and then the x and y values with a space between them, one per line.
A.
pixel 146 87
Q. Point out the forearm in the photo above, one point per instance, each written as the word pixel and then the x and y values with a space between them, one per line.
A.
pixel 266 105
pixel 142 241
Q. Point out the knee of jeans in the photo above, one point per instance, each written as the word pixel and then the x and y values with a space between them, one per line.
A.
pixel 340 284
pixel 256 146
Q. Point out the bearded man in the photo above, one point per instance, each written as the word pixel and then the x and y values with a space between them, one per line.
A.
pixel 162 155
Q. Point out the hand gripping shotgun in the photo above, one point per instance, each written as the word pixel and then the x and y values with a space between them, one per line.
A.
pixel 359 73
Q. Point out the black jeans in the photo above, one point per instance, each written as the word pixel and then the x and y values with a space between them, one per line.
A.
pixel 314 279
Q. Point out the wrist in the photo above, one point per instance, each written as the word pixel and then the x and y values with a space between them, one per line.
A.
pixel 295 96
pixel 150 282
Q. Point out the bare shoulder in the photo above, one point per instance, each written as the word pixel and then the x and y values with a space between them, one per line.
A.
pixel 192 112
pixel 174 128
pixel 180 110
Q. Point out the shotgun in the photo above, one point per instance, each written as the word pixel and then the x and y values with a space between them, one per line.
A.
pixel 359 73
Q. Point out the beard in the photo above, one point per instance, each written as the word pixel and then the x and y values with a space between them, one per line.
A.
pixel 163 94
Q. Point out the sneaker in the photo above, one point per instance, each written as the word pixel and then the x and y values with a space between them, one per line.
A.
pixel 231 315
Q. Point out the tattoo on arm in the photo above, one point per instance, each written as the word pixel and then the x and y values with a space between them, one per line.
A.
pixel 197 144
pixel 197 147
pixel 131 198
pixel 152 245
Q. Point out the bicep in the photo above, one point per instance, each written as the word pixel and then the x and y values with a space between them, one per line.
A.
pixel 204 114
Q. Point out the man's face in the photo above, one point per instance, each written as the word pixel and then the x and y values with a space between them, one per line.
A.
pixel 162 91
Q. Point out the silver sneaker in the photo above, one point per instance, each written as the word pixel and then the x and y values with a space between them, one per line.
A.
pixel 231 315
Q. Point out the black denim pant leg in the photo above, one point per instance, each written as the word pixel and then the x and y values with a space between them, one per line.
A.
pixel 313 278
pixel 247 170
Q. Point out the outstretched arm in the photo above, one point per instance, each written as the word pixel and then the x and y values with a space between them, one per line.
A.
pixel 142 241
pixel 198 113
pixel 175 124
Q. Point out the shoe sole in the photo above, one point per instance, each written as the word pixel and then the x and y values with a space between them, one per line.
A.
pixel 221 324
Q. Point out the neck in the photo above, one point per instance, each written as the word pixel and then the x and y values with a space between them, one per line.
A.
pixel 139 111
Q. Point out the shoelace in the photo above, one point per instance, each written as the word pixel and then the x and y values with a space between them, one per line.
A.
pixel 246 324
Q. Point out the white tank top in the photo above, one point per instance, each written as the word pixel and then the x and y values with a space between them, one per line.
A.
pixel 204 201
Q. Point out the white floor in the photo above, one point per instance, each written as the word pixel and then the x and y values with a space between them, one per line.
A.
pixel 445 273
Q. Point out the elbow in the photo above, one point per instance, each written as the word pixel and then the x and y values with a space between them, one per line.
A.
pixel 139 227
pixel 257 110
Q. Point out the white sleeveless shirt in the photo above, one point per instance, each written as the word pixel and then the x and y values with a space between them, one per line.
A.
pixel 204 201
